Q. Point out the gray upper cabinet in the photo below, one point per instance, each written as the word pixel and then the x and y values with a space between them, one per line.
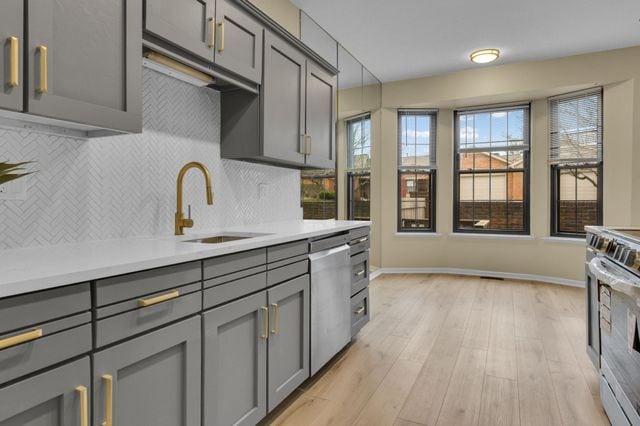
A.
pixel 289 338
pixel 283 101
pixel 57 397
pixel 321 101
pixel 84 62
pixel 235 362
pixel 11 37
pixel 188 24
pixel 151 380
pixel 238 41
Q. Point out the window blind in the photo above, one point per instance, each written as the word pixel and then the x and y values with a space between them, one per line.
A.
pixel 416 139
pixel 493 130
pixel 576 128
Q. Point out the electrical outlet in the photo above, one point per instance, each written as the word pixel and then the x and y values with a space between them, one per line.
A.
pixel 263 191
pixel 14 190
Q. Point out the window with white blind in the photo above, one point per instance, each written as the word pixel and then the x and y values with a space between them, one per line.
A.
pixel 491 165
pixel 416 170
pixel 359 167
pixel 575 156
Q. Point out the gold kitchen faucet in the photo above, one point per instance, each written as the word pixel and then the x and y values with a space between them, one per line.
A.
pixel 181 222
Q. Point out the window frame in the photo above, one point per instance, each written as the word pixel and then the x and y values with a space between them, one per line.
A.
pixel 555 170
pixel 526 171
pixel 427 170
pixel 352 172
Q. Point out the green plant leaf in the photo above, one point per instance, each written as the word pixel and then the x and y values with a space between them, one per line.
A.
pixel 4 178
pixel 6 167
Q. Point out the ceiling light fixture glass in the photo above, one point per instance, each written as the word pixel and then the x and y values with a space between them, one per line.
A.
pixel 484 56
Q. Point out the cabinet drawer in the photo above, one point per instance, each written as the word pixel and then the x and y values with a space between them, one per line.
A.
pixel 226 292
pixel 359 272
pixel 327 243
pixel 285 273
pixel 110 329
pixel 22 311
pixel 359 233
pixel 232 263
pixel 285 251
pixel 61 340
pixel 359 311
pixel 125 287
pixel 359 245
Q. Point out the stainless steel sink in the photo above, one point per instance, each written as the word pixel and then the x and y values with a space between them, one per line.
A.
pixel 224 238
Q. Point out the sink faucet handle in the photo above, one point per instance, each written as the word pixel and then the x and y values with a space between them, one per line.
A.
pixel 188 211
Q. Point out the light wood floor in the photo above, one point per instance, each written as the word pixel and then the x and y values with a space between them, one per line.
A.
pixel 449 350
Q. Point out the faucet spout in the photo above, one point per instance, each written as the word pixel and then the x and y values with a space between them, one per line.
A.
pixel 180 221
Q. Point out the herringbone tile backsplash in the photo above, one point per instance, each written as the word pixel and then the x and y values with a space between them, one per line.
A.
pixel 125 185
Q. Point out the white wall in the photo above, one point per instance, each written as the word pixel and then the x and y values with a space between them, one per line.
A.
pixel 126 185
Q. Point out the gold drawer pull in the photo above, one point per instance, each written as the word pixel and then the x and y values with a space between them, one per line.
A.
pixel 359 310
pixel 360 273
pixel 363 239
pixel 158 299
pixel 221 47
pixel 108 400
pixel 265 322
pixel 43 85
pixel 84 405
pixel 212 43
pixel 307 145
pixel 20 338
pixel 14 62
pixel 276 318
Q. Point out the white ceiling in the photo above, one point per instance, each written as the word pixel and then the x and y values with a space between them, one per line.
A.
pixel 411 38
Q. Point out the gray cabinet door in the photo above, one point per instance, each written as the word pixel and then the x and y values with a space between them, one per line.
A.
pixel 85 62
pixel 321 100
pixel 288 338
pixel 235 362
pixel 12 39
pixel 56 397
pixel 188 24
pixel 283 95
pixel 238 41
pixel 151 380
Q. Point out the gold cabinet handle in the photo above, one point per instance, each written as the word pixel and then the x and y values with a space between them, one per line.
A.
pixel 308 147
pixel 363 239
pixel 84 405
pixel 158 299
pixel 108 400
pixel 43 53
pixel 21 338
pixel 265 322
pixel 276 318
pixel 212 42
pixel 14 62
pixel 221 47
pixel 360 273
pixel 359 310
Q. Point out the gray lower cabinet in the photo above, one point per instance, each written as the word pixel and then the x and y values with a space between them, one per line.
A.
pixel 288 338
pixel 188 24
pixel 235 362
pixel 320 117
pixel 56 397
pixel 151 380
pixel 11 37
pixel 84 62
pixel 238 41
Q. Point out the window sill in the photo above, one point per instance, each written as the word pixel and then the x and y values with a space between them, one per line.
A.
pixel 491 236
pixel 418 234
pixel 565 240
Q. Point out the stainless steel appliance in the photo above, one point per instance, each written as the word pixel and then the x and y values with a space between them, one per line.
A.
pixel 613 303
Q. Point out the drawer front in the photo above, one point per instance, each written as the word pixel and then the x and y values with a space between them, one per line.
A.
pixel 359 245
pixel 327 243
pixel 359 311
pixel 35 308
pixel 358 233
pixel 223 293
pixel 53 347
pixel 232 263
pixel 125 287
pixel 359 272
pixel 285 251
pixel 285 273
pixel 127 324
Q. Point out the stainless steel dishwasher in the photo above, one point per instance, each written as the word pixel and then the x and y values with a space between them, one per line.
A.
pixel 330 299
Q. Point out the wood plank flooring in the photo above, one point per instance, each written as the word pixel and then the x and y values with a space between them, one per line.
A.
pixel 450 350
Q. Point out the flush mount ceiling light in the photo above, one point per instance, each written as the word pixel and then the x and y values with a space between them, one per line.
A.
pixel 484 56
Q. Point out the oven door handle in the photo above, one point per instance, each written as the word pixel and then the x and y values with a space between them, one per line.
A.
pixel 617 281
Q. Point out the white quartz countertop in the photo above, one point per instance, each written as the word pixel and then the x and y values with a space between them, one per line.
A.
pixel 38 268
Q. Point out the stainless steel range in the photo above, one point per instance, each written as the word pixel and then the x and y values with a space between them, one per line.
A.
pixel 613 309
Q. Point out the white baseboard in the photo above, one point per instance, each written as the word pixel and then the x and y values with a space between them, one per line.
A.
pixel 479 273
